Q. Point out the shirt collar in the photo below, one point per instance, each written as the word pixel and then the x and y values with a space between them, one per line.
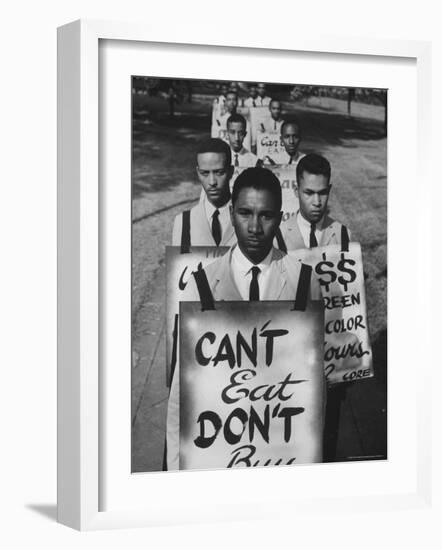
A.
pixel 243 265
pixel 210 208
pixel 240 152
pixel 302 222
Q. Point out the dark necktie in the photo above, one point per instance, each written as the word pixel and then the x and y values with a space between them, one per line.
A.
pixel 236 159
pixel 254 103
pixel 313 241
pixel 216 227
pixel 254 286
pixel 275 124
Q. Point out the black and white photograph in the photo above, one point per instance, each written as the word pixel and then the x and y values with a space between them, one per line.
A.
pixel 259 274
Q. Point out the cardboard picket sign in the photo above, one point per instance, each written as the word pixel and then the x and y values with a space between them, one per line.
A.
pixel 340 273
pixel 179 267
pixel 269 144
pixel 251 385
pixel 257 115
pixel 286 175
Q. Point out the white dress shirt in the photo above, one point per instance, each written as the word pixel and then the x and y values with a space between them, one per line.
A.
pixel 272 125
pixel 224 214
pixel 304 228
pixel 241 268
pixel 246 159
pixel 284 158
pixel 259 101
pixel 252 102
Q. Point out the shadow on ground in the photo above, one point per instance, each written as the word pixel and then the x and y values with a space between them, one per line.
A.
pixel 49 511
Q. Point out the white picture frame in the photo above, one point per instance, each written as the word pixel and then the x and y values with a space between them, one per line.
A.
pixel 80 294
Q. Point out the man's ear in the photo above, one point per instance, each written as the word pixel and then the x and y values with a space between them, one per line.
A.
pixel 230 171
pixel 231 212
pixel 280 218
pixel 296 191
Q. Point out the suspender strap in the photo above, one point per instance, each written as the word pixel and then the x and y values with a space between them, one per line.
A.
pixel 206 296
pixel 280 240
pixel 344 239
pixel 174 350
pixel 302 292
pixel 185 232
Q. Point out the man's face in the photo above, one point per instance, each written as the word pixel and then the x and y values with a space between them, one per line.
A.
pixel 261 90
pixel 253 92
pixel 231 102
pixel 313 191
pixel 275 109
pixel 224 89
pixel 291 138
pixel 236 134
pixel 255 218
pixel 214 176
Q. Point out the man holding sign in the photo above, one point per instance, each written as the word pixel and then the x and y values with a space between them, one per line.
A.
pixel 263 98
pixel 236 132
pixel 252 100
pixel 312 227
pixel 208 223
pixel 230 106
pixel 275 121
pixel 253 270
pixel 291 139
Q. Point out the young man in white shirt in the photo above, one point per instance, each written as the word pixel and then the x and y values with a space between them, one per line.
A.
pixel 218 102
pixel 252 100
pixel 263 98
pixel 230 106
pixel 252 270
pixel 312 226
pixel 236 133
pixel 275 122
pixel 291 138
pixel 208 223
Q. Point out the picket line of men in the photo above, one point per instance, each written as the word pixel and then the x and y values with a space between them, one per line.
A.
pixel 248 220
pixel 210 222
pixel 231 125
pixel 214 221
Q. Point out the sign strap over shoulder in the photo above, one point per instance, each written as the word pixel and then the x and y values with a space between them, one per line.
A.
pixel 206 296
pixel 302 292
pixel 173 359
pixel 280 240
pixel 345 240
pixel 185 232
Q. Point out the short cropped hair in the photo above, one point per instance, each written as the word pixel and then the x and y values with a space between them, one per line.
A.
pixel 313 164
pixel 258 178
pixel 236 117
pixel 215 145
pixel 292 120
